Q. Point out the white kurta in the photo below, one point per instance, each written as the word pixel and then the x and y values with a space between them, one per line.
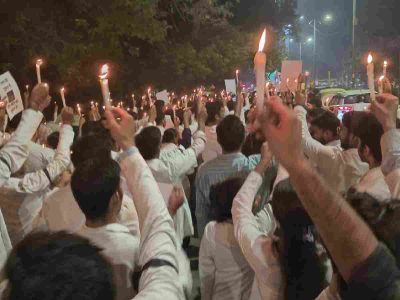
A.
pixel 224 271
pixel 213 148
pixel 122 250
pixel 5 243
pixel 257 246
pixel 340 169
pixel 373 183
pixel 22 198
pixel 390 144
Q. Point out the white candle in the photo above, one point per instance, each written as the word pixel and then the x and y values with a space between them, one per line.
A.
pixel 105 90
pixel 39 62
pixel 371 78
pixel 380 84
pixel 79 109
pixel 237 78
pixel 385 63
pixel 62 92
pixel 260 61
pixel 27 88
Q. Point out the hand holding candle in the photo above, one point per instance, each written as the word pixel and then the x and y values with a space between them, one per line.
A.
pixel 260 61
pixel 105 90
pixel 380 84
pixel 385 63
pixel 39 62
pixel 371 78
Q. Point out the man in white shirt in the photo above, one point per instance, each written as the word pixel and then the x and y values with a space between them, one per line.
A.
pixel 96 187
pixel 215 112
pixel 22 197
pixel 369 149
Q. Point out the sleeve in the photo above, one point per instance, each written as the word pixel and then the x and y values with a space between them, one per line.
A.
pixel 142 123
pixel 158 238
pixel 206 263
pixel 390 145
pixel 226 110
pixel 186 138
pixel 313 149
pixel 203 206
pixel 4 138
pixel 377 278
pixel 15 152
pixel 40 180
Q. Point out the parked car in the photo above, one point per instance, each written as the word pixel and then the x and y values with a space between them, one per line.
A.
pixel 355 100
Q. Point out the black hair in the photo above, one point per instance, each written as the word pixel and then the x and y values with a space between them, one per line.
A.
pixel 312 114
pixel 13 124
pixel 213 109
pixel 159 104
pixel 93 184
pixel 89 147
pixel 221 198
pixel 252 145
pixel 370 133
pixel 303 268
pixel 315 99
pixel 231 105
pixel 230 134
pixel 327 121
pixel 352 120
pixel 148 141
pixel 52 140
pixel 160 117
pixel 169 136
pixel 62 266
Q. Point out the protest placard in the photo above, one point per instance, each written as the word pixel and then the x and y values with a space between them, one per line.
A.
pixel 9 91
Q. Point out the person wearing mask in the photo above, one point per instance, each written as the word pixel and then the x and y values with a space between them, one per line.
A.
pixel 224 271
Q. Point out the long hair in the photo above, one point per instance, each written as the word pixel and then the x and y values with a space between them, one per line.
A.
pixel 304 269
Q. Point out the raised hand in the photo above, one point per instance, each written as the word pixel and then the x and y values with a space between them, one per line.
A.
pixel 385 109
pixel 39 98
pixel 123 132
pixel 67 115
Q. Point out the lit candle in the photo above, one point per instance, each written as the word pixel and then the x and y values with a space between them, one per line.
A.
pixel 260 61
pixel 237 78
pixel 380 84
pixel 79 109
pixel 62 92
pixel 39 62
pixel 371 79
pixel 105 90
pixel 27 88
pixel 385 63
pixel 97 105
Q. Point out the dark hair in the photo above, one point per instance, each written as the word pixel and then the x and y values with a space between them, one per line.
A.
pixel 63 266
pixel 14 123
pixel 93 127
pixel 159 104
pixel 148 142
pixel 221 198
pixel 89 147
pixel 382 217
pixel 160 117
pixel 312 114
pixel 252 145
pixel 303 267
pixel 231 105
pixel 315 99
pixel 370 133
pixel 93 184
pixel 213 109
pixel 169 136
pixel 352 120
pixel 230 134
pixel 327 121
pixel 52 140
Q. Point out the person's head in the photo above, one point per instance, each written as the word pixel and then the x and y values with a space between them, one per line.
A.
pixel 88 147
pixel 160 105
pixel 160 119
pixel 95 185
pixel 215 112
pixel 97 128
pixel 314 101
pixel 297 246
pixel 62 266
pixel 325 128
pixel 312 114
pixel 170 136
pixel 52 140
pixel 350 122
pixel 221 197
pixel 230 134
pixel 148 142
pixel 370 132
pixel 252 145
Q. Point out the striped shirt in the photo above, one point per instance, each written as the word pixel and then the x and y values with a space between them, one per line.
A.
pixel 215 171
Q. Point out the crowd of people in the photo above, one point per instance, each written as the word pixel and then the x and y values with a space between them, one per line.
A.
pixel 288 201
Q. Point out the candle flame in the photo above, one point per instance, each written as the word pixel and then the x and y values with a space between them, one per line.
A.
pixel 307 73
pixel 381 78
pixel 27 87
pixel 385 63
pixel 62 90
pixel 287 80
pixel 39 62
pixel 237 72
pixel 262 41
pixel 104 72
pixel 148 90
pixel 369 58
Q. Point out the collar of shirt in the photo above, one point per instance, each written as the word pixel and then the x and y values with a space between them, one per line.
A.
pixel 335 143
pixel 113 227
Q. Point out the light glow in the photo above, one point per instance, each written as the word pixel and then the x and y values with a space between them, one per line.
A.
pixel 261 45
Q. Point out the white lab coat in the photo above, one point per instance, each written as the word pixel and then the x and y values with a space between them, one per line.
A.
pixel 341 169
pixel 257 246
pixel 122 250
pixel 22 198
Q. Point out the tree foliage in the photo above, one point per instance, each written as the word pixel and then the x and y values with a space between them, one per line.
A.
pixel 165 43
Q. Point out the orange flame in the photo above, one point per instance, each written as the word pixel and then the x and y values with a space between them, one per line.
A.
pixel 39 62
pixel 104 72
pixel 262 41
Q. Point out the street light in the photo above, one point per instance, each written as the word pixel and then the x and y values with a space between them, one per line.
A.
pixel 310 40
pixel 328 18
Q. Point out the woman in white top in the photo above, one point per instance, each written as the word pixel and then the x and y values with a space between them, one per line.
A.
pixel 224 271
pixel 286 265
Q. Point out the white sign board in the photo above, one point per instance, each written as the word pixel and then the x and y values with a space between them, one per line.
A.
pixel 163 95
pixel 9 91
pixel 291 69
pixel 230 85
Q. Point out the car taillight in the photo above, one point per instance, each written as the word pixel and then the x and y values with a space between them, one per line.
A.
pixel 345 108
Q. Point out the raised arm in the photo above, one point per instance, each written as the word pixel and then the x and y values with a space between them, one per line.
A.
pixel 15 152
pixel 42 179
pixel 158 240
pixel 348 239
